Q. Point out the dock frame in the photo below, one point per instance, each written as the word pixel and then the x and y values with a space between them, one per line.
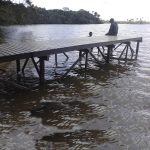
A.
pixel 105 46
pixel 83 53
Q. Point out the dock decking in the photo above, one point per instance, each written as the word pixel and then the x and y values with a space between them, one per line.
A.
pixel 42 49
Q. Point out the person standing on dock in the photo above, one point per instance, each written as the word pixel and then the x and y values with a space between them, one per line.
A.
pixel 113 30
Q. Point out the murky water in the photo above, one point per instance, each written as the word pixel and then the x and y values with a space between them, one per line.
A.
pixel 109 108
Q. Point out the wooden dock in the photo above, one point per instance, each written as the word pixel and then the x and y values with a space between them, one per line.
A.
pixel 42 49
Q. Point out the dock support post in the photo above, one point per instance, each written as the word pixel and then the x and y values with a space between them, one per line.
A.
pixel 18 69
pixel 24 65
pixel 66 55
pixel 42 71
pixel 99 50
pixel 126 52
pixel 18 65
pixel 80 55
pixel 56 60
pixel 86 59
pixel 109 51
pixel 137 49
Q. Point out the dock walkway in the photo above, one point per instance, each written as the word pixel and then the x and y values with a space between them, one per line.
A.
pixel 42 49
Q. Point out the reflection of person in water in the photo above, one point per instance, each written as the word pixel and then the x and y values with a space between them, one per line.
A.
pixel 113 30
pixel 90 34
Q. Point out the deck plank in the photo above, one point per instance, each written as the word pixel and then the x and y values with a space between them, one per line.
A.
pixel 13 50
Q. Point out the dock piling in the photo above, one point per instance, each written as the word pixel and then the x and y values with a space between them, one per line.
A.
pixel 109 51
pixel 42 70
pixel 86 59
pixel 56 60
pixel 80 55
pixel 126 52
pixel 137 49
pixel 24 65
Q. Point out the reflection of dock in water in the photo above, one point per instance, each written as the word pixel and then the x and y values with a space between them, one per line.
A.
pixel 67 114
pixel 69 118
pixel 105 45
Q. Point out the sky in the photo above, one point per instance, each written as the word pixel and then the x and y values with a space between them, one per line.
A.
pixel 118 9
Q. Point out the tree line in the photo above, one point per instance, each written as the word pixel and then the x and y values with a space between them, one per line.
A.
pixel 12 13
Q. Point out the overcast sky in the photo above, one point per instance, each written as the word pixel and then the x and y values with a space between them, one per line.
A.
pixel 118 9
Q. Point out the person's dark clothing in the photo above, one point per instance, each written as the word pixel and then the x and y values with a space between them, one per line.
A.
pixel 113 29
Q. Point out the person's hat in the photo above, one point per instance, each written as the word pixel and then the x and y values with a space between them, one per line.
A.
pixel 111 20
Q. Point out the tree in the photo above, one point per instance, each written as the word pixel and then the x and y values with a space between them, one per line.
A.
pixel 65 9
pixel 5 2
pixel 29 3
pixel 27 13
pixel 96 15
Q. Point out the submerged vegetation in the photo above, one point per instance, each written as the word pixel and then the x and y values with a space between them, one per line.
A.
pixel 27 13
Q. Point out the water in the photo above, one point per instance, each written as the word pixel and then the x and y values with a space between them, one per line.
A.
pixel 107 109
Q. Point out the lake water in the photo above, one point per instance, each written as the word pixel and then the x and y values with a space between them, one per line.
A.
pixel 109 109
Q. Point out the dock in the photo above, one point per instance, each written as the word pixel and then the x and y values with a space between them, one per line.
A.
pixel 105 45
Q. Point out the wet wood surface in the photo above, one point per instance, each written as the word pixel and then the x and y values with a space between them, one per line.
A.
pixel 21 50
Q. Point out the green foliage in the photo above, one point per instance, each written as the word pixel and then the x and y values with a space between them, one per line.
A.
pixel 28 2
pixel 11 13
